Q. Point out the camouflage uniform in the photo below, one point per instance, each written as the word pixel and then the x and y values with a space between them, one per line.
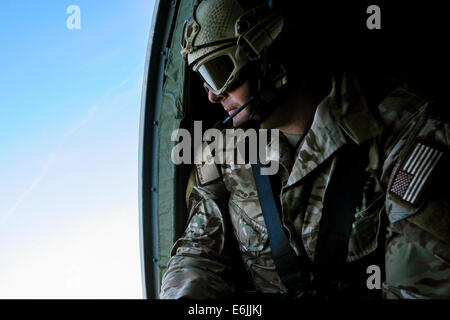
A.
pixel 417 245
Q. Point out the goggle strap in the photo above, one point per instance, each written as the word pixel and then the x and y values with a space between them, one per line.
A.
pixel 210 44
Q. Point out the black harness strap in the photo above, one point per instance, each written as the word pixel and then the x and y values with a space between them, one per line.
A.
pixel 341 198
pixel 289 266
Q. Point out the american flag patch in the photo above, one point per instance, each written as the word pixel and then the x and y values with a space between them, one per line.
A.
pixel 410 179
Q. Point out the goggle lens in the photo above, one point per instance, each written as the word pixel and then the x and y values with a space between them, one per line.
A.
pixel 217 71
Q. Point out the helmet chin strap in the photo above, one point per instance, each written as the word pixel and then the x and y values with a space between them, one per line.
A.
pixel 260 110
pixel 268 88
pixel 267 97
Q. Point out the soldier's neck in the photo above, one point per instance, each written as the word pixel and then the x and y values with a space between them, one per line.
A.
pixel 295 116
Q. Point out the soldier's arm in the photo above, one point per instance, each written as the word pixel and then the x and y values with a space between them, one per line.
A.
pixel 417 204
pixel 198 267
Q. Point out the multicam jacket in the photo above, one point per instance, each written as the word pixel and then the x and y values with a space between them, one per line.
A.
pixel 406 132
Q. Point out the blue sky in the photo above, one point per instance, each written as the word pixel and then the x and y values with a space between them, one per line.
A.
pixel 69 128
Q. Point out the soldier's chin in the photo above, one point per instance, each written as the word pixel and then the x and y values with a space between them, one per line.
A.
pixel 240 119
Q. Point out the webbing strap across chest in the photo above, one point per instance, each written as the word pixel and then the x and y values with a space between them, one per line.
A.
pixel 289 266
pixel 339 208
pixel 341 198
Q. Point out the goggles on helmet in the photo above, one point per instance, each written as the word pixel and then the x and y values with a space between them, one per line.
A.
pixel 219 63
pixel 220 70
pixel 219 67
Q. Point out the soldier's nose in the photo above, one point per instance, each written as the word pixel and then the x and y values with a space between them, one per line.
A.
pixel 215 98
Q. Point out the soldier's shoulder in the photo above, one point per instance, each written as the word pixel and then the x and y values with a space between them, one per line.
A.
pixel 398 106
pixel 417 148
pixel 439 111
pixel 407 114
pixel 405 101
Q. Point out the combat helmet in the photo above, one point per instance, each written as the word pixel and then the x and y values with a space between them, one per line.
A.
pixel 222 39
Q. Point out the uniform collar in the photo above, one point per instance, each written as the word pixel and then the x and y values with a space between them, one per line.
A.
pixel 341 117
pixel 351 110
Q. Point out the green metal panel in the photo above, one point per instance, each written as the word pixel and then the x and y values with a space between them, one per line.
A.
pixel 171 113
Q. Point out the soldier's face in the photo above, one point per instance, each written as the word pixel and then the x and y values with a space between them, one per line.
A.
pixel 232 100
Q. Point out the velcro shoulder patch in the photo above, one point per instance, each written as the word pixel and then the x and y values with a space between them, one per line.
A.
pixel 207 173
pixel 413 175
pixel 206 168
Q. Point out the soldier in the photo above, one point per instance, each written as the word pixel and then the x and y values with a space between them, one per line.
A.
pixel 356 192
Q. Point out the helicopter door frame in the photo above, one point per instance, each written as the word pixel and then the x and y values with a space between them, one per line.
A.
pixel 159 41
